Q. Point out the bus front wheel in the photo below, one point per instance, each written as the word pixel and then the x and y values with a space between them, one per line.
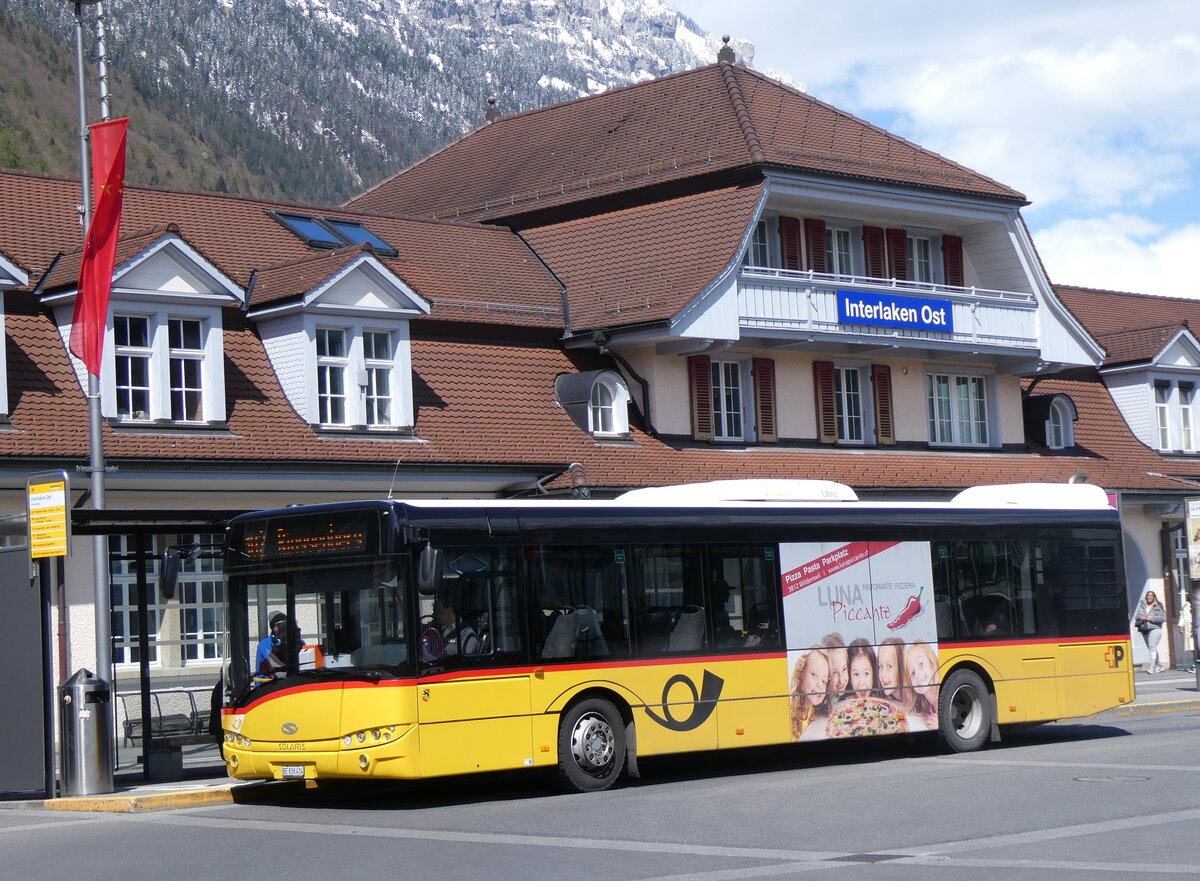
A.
pixel 964 712
pixel 591 745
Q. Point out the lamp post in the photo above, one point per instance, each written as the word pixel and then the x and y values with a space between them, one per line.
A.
pixel 100 573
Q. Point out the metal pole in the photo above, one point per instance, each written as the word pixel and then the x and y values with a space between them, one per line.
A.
pixel 100 573
pixel 102 62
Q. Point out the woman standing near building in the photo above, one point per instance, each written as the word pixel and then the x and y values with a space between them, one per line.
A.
pixel 1149 619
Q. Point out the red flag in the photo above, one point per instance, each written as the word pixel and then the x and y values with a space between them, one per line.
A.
pixel 100 245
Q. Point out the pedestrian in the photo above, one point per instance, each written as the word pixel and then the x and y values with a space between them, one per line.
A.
pixel 1185 630
pixel 1149 618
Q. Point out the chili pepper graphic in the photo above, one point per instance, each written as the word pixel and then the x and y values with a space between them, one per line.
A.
pixel 910 610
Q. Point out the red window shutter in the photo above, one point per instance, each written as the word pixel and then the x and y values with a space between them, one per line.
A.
pixel 700 380
pixel 789 242
pixel 885 424
pixel 873 250
pixel 814 240
pixel 897 253
pixel 952 258
pixel 826 402
pixel 764 399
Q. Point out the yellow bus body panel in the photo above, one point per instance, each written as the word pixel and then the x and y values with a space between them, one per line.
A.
pixel 504 719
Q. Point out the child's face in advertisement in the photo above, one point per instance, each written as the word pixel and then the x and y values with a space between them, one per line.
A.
pixel 920 671
pixel 814 678
pixel 860 676
pixel 839 672
pixel 889 669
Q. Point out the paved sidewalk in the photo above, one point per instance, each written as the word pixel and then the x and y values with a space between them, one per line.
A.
pixel 1169 692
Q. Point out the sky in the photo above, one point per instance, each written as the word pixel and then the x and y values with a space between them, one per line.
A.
pixel 1091 108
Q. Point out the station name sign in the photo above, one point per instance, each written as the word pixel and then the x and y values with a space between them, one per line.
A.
pixel 892 310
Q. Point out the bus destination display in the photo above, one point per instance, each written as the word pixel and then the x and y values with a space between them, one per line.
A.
pixel 307 536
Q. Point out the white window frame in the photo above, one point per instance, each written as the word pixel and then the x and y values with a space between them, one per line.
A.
pixel 723 416
pixel 359 377
pixel 839 261
pixel 181 355
pixel 846 414
pixel 126 353
pixel 379 371
pixel 201 592
pixel 961 433
pixel 617 405
pixel 1060 425
pixel 1175 410
pixel 330 367
pixel 210 355
pixel 123 580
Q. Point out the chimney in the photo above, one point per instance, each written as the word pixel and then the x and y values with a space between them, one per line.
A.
pixel 726 53
pixel 493 112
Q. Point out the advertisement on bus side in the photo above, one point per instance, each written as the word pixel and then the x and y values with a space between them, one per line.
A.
pixel 862 638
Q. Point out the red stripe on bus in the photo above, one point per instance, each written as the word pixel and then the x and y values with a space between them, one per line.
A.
pixel 1054 640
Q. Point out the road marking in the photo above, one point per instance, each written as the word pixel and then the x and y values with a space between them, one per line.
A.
pixel 949 854
pixel 1042 835
pixel 1033 763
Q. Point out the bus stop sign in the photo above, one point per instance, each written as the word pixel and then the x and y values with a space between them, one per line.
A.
pixel 46 497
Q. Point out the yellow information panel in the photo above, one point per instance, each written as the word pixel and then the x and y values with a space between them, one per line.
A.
pixel 46 500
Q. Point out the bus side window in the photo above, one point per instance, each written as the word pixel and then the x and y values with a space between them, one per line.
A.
pixel 579 603
pixel 741 597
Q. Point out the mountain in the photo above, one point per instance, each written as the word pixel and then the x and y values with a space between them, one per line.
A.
pixel 316 100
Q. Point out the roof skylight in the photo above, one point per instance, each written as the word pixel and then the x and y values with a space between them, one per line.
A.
pixel 331 232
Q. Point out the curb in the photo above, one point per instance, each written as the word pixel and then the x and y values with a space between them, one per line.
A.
pixel 131 804
pixel 1151 709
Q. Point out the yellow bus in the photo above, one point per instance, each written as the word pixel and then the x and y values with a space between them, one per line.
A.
pixel 410 639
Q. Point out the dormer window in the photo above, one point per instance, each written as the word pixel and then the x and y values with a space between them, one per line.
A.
pixel 341 347
pixel 132 353
pixel 186 351
pixel 331 376
pixel 1060 424
pixel 1174 413
pixel 163 352
pixel 608 411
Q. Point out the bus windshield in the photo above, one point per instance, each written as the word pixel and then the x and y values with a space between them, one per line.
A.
pixel 323 617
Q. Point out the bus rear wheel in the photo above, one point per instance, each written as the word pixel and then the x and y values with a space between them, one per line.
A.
pixel 591 746
pixel 964 712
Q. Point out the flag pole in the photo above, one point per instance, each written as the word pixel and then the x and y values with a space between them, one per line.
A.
pixel 100 574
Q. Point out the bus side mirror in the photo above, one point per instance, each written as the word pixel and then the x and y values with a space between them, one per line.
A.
pixel 430 566
pixel 168 573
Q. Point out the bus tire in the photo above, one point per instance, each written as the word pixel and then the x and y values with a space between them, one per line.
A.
pixel 591 746
pixel 964 712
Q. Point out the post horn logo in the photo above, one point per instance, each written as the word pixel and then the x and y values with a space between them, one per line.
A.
pixel 703 702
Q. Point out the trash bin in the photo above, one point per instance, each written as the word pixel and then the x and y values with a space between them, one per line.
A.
pixel 86 735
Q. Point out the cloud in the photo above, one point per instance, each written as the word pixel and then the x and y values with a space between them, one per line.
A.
pixel 1083 103
pixel 1122 252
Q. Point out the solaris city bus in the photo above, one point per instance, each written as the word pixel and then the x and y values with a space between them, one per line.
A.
pixel 447 637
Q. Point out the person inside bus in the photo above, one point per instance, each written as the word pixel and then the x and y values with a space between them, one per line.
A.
pixel 890 662
pixel 834 646
pixel 723 630
pixel 272 648
pixel 810 692
pixel 458 637
pixel 864 680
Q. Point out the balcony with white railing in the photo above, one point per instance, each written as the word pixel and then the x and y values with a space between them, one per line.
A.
pixel 778 302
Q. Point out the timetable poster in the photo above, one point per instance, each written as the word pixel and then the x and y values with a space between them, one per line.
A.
pixel 862 637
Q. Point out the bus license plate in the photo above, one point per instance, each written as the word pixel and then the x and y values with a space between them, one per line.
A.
pixel 292 771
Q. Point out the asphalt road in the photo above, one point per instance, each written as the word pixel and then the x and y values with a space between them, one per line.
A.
pixel 1111 796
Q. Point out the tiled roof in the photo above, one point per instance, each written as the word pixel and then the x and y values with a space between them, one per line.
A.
pixel 297 277
pixel 715 118
pixel 469 272
pixel 494 405
pixel 1131 327
pixel 66 271
pixel 647 262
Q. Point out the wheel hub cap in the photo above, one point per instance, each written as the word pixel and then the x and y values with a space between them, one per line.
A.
pixel 592 743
